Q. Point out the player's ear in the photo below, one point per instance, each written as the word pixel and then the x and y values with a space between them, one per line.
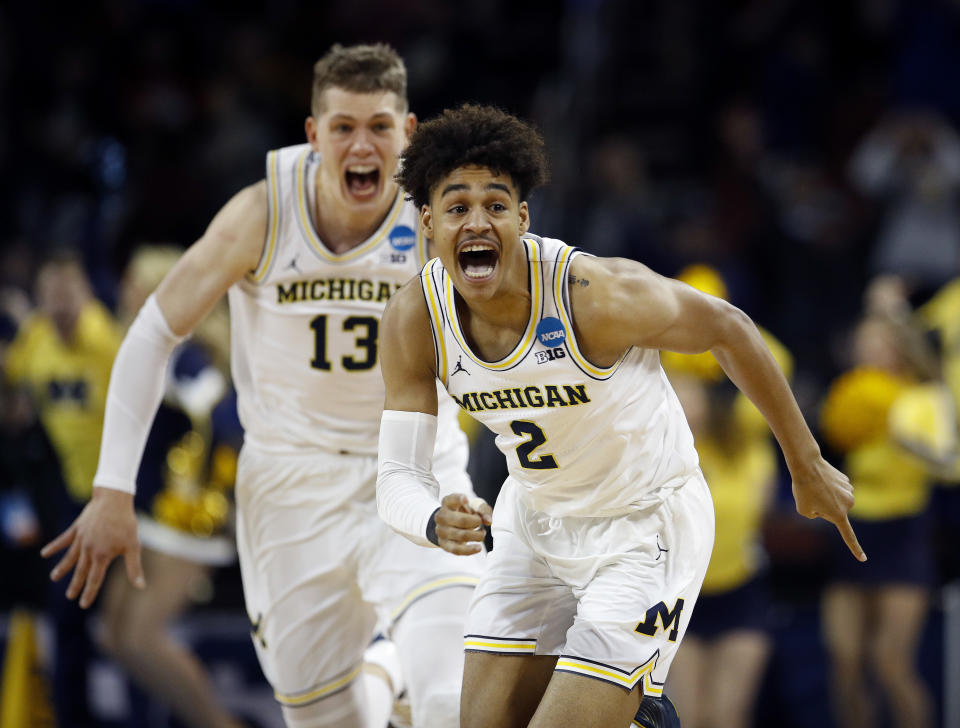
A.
pixel 409 124
pixel 524 218
pixel 426 221
pixel 310 126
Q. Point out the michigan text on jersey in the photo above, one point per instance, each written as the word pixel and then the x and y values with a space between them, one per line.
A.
pixel 336 289
pixel 551 395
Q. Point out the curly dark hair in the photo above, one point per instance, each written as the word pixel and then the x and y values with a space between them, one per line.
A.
pixel 484 136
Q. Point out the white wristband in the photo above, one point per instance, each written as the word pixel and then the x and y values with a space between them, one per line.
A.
pixel 136 388
pixel 407 491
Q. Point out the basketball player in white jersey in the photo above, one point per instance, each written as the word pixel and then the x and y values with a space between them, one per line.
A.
pixel 603 529
pixel 309 257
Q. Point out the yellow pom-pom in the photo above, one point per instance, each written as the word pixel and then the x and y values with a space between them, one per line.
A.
pixel 703 365
pixel 201 524
pixel 704 278
pixel 856 408
pixel 223 467
pixel 216 506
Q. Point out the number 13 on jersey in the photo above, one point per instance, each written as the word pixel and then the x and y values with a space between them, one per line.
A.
pixel 364 332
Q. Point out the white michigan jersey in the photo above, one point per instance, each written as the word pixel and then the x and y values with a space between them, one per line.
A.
pixel 579 439
pixel 305 323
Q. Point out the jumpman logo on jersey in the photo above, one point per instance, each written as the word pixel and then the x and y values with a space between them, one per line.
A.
pixel 662 550
pixel 459 367
pixel 293 264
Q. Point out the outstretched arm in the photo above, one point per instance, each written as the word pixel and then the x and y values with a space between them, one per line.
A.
pixel 107 527
pixel 630 305
pixel 407 492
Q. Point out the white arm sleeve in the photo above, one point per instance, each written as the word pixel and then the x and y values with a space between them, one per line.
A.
pixel 136 388
pixel 407 491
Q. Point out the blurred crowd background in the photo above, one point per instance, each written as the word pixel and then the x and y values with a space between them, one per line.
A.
pixel 802 153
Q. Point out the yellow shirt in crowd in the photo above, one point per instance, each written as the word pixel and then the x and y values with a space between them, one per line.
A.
pixel 741 482
pixel 69 383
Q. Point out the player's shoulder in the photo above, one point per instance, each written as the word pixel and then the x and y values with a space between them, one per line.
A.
pixel 285 167
pixel 288 156
pixel 407 304
pixel 406 334
pixel 250 203
pixel 244 213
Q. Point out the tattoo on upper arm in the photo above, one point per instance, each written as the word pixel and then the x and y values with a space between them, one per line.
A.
pixel 574 281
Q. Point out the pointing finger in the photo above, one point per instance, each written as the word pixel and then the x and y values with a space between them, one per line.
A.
pixel 850 538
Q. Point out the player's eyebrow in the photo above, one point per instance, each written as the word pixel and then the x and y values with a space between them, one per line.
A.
pixel 499 186
pixel 453 188
pixel 460 186
pixel 349 117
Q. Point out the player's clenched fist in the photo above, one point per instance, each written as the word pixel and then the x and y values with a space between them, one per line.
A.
pixel 458 525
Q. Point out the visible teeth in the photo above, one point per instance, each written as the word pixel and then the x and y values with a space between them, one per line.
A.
pixel 475 271
pixel 474 247
pixel 362 168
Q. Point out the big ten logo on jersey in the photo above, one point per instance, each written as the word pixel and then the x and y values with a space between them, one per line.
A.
pixel 402 239
pixel 667 618
pixel 551 334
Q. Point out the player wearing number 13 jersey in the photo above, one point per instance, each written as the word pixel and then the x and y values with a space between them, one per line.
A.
pixel 305 322
pixel 309 257
pixel 306 364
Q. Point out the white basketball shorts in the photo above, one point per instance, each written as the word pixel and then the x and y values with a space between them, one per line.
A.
pixel 611 597
pixel 320 569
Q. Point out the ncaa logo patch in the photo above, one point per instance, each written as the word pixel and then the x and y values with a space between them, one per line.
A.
pixel 550 332
pixel 402 238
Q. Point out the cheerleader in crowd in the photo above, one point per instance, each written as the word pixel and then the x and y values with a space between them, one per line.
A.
pixel 719 667
pixel 182 505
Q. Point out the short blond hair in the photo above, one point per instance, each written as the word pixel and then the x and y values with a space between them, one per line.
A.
pixel 360 69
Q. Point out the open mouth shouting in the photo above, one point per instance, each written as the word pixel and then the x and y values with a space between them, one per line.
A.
pixel 478 259
pixel 363 181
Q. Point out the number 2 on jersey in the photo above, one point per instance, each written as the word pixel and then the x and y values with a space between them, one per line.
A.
pixel 525 449
pixel 368 342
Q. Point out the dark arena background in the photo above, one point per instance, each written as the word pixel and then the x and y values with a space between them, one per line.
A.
pixel 798 157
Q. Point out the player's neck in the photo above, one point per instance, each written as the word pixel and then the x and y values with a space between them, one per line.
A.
pixel 494 328
pixel 341 227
